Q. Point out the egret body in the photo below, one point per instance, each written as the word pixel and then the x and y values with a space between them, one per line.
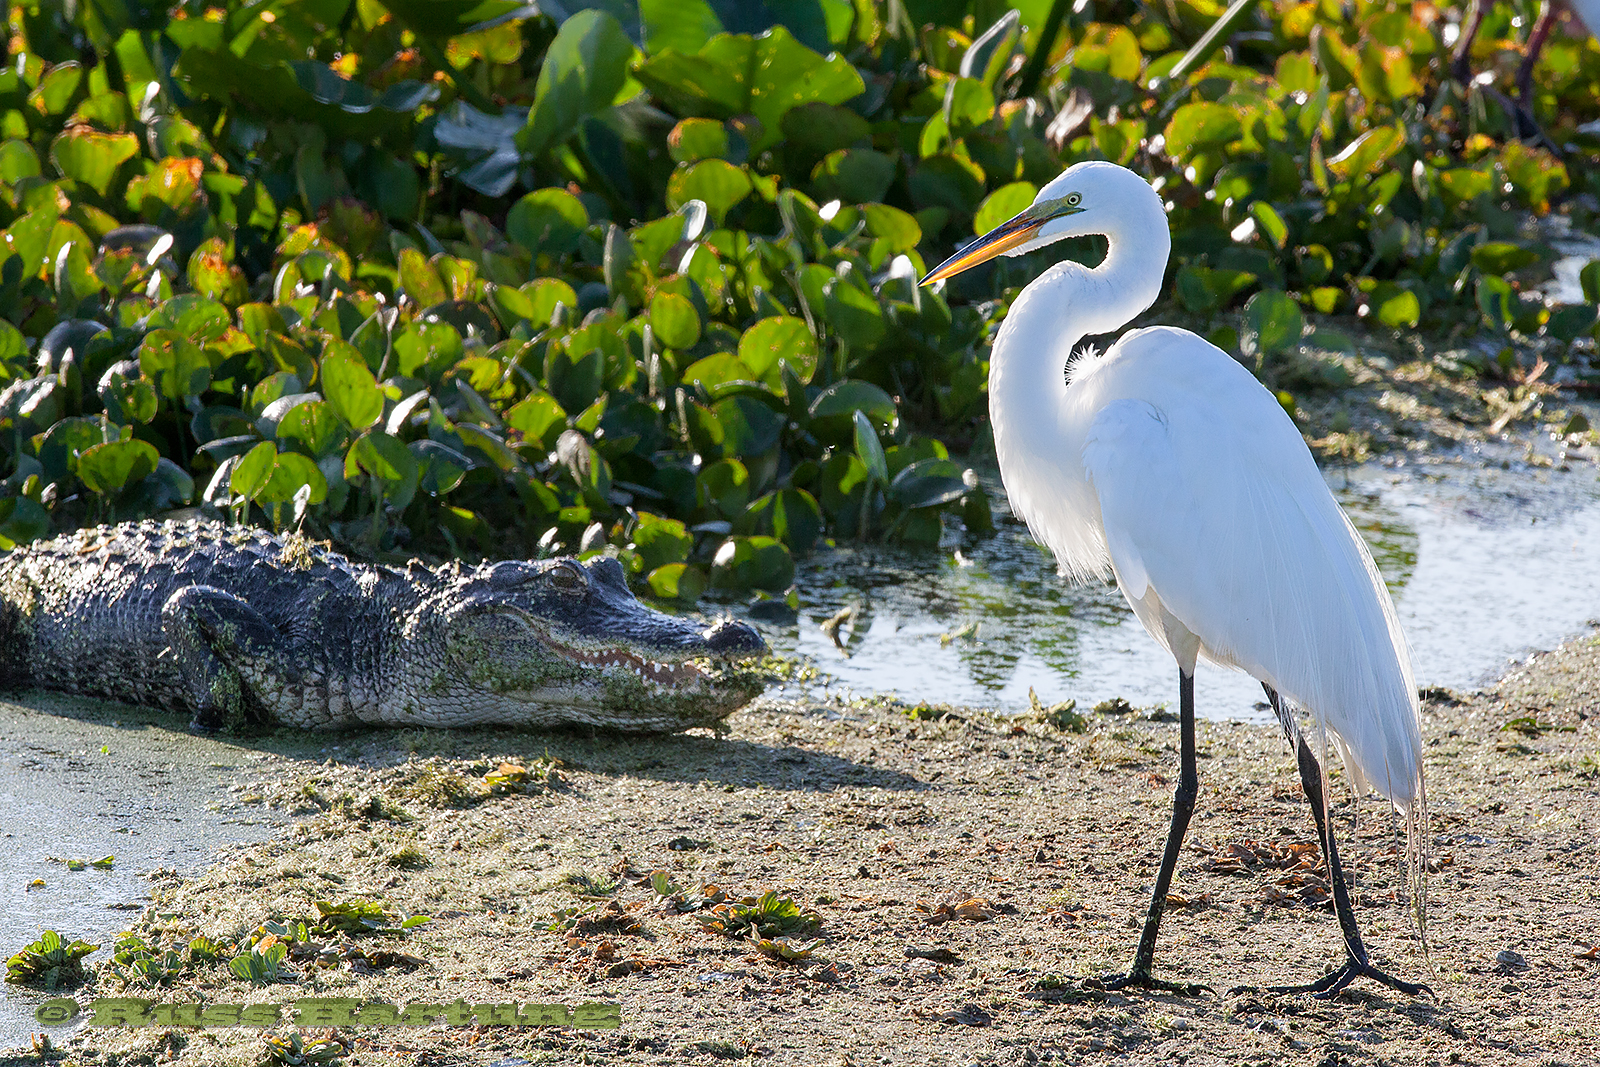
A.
pixel 1165 463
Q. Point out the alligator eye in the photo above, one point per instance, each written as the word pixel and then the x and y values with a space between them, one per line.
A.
pixel 568 577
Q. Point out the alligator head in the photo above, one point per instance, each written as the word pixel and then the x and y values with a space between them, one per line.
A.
pixel 523 636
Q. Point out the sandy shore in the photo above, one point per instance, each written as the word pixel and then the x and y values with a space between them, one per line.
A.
pixel 956 881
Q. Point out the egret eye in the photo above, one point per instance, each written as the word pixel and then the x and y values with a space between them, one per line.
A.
pixel 1074 199
pixel 567 577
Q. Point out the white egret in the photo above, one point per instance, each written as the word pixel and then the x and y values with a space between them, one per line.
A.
pixel 1165 462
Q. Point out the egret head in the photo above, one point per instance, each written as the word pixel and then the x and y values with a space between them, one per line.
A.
pixel 1089 197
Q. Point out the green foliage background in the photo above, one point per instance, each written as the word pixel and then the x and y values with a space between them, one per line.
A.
pixel 462 276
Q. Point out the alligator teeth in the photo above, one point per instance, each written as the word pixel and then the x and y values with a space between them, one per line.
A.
pixel 649 670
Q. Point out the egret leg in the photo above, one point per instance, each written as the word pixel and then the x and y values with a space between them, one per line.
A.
pixel 1182 808
pixel 1356 964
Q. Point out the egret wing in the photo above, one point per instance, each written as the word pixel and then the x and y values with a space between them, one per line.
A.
pixel 1216 518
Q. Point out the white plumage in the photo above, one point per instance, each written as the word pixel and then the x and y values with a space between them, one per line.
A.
pixel 1164 462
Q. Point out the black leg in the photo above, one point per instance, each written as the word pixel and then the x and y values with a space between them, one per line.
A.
pixel 1182 808
pixel 1356 964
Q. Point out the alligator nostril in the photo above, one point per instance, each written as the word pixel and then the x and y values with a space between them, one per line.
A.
pixel 730 638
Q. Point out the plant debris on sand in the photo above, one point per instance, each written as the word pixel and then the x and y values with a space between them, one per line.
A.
pixel 943 889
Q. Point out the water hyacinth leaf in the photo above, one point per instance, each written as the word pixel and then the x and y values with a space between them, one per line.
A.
pixel 853 175
pixel 681 25
pixel 547 294
pixel 490 444
pixel 177 366
pixel 106 468
pixel 350 388
pixel 658 541
pixel 724 368
pixel 1002 204
pixel 1367 153
pixel 764 76
pixel 672 581
pixel 1497 302
pixel 292 472
pixel 1199 126
pixel 854 312
pixel 547 221
pixel 847 396
pixel 796 519
pixel 749 427
pixel 1502 257
pixel 928 483
pixel 695 139
pixel 584 70
pixel 1399 308
pixel 86 155
pixel 1273 323
pixel 779 338
pixel 313 426
pixel 717 183
pixel 870 449
pixel 674 320
pixel 386 459
pixel 253 470
pixel 22 519
pixel 539 418
pixel 442 467
pixel 420 280
pixel 753 563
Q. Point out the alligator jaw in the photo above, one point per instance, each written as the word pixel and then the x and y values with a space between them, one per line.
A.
pixel 668 674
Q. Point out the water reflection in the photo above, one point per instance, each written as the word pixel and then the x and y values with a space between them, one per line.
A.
pixel 1484 564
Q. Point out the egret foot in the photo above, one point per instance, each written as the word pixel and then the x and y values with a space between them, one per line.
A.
pixel 1332 984
pixel 1138 979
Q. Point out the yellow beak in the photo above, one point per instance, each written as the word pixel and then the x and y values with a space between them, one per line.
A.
pixel 1020 229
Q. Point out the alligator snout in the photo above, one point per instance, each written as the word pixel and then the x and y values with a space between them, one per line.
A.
pixel 733 639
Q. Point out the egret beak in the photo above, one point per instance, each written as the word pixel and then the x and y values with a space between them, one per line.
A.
pixel 1019 229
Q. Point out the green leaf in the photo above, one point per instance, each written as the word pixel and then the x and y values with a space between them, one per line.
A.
pixel 1201 125
pixel 681 25
pixel 1399 308
pixel 674 320
pixel 547 221
pixel 693 140
pixel 178 367
pixel 847 396
pixel 314 426
pixel 1497 302
pixel 1003 204
pixel 854 312
pixel 796 519
pixel 753 563
pixel 86 155
pixel 350 388
pixel 290 472
pixel 584 70
pixel 677 581
pixel 659 541
pixel 1502 257
pixel 870 449
pixel 765 76
pixel 716 182
pixel 108 467
pixel 853 175
pixel 1367 153
pixel 539 418
pixel 780 337
pixel 1273 323
pixel 253 471
pixel 442 467
pixel 928 483
pixel 388 460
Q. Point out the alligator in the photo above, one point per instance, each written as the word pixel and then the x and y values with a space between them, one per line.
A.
pixel 234 624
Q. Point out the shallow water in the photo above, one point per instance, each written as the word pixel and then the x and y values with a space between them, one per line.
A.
pixel 1485 562
pixel 75 784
